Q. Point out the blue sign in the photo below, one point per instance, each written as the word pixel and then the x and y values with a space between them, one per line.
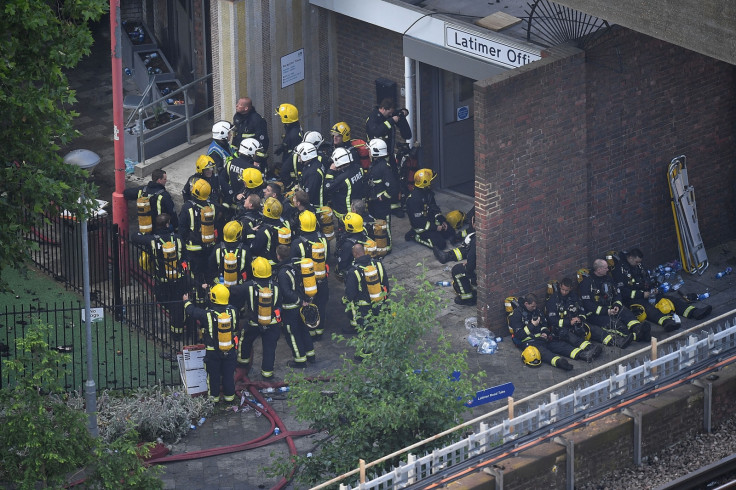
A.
pixel 492 394
pixel 463 113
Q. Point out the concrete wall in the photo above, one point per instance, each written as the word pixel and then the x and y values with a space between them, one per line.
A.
pixel 707 27
pixel 572 153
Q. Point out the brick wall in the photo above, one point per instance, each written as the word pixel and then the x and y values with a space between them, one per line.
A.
pixel 572 153
pixel 365 52
pixel 131 10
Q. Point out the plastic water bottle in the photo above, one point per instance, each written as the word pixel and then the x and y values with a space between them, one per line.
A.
pixel 664 287
pixel 276 431
pixel 678 283
pixel 703 296
pixel 725 272
pixel 499 340
pixel 284 389
pixel 268 390
pixel 471 322
pixel 443 283
pixel 473 340
pixel 488 346
pixel 201 421
pixel 128 71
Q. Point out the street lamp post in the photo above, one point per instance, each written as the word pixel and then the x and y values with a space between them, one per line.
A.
pixel 87 160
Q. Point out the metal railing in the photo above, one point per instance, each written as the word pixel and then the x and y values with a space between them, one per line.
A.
pixel 629 373
pixel 141 111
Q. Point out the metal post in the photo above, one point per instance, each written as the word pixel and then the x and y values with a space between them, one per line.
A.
pixel 119 206
pixel 90 390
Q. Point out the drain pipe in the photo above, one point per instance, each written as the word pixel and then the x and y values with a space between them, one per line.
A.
pixel 409 97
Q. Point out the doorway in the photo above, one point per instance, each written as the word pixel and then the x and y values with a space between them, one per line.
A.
pixel 457 155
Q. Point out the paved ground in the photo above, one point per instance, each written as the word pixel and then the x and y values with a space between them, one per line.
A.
pixel 227 427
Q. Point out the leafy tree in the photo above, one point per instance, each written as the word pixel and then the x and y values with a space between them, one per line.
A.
pixel 40 40
pixel 43 440
pixel 402 392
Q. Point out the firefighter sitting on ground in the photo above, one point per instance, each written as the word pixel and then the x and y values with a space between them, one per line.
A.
pixel 565 309
pixel 464 280
pixel 531 334
pixel 638 290
pixel 429 226
pixel 602 301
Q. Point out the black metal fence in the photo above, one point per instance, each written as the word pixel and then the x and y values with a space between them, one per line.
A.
pixel 133 345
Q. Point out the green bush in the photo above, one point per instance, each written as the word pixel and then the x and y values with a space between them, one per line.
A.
pixel 402 392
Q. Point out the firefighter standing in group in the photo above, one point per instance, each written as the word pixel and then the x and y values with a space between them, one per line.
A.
pixel 219 325
pixel 197 230
pixel 366 287
pixel 383 188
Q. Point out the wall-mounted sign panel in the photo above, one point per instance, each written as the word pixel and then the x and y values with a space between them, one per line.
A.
pixel 292 68
pixel 492 50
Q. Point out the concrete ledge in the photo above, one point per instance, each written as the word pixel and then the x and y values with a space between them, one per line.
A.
pixel 144 169
pixel 607 444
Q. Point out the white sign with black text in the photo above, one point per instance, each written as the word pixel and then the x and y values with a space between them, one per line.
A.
pixel 292 68
pixel 488 49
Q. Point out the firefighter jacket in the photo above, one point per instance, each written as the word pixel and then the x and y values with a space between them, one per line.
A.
pixel 292 137
pixel 161 201
pixel 214 182
pixel 561 309
pixel 344 250
pixel 378 126
pixel 166 267
pixel 424 213
pixel 382 181
pixel 250 219
pixel 190 221
pixel 207 319
pixel 598 294
pixel 301 246
pixel 520 323
pixel 231 182
pixel 289 281
pixel 216 264
pixel 313 181
pixel 250 125
pixel 267 238
pixel 469 253
pixel 220 151
pixel 344 185
pixel 632 280
pixel 249 291
pixel 356 289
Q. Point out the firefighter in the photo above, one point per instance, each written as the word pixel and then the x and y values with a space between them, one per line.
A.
pixel 383 122
pixel 565 311
pixel 340 132
pixel 292 136
pixel 464 279
pixel 198 222
pixel 312 178
pixel 205 170
pixel 293 298
pixel 366 287
pixel 315 138
pixel 233 178
pixel 429 226
pixel 638 288
pixel 354 233
pixel 249 215
pixel 220 149
pixel 271 231
pixel 219 325
pixel 165 248
pixel 229 261
pixel 344 182
pixel 299 203
pixel 311 243
pixel 253 149
pixel 529 327
pixel 248 123
pixel 159 201
pixel 383 186
pixel 602 300
pixel 262 297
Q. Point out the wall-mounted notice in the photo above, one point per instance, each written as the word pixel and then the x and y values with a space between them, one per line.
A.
pixel 292 68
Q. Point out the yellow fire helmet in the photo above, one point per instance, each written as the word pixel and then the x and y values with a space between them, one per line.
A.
pixel 342 129
pixel 219 294
pixel 455 218
pixel 288 113
pixel 261 268
pixel 204 162
pixel 531 356
pixel 201 189
pixel 423 177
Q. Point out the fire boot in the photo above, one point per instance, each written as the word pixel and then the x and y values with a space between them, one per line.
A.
pixel 441 255
pixel 563 364
pixel 700 313
pixel 670 325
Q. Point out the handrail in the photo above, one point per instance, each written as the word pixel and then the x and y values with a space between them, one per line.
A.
pixel 651 349
pixel 187 120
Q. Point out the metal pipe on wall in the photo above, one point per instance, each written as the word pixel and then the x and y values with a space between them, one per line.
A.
pixel 418 105
pixel 409 96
